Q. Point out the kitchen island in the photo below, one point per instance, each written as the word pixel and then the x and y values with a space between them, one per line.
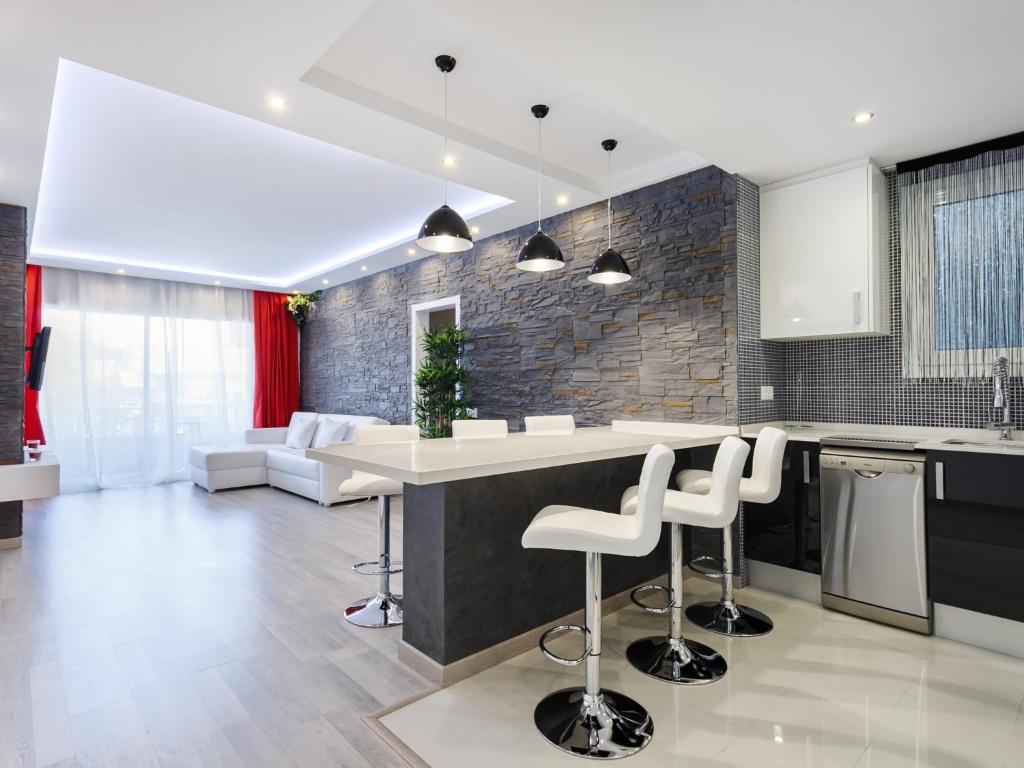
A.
pixel 468 584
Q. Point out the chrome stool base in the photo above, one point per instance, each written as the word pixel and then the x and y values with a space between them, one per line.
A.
pixel 376 611
pixel 728 618
pixel 661 657
pixel 607 726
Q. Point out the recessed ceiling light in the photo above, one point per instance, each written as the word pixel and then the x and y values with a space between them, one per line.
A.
pixel 363 267
pixel 216 282
pixel 296 293
pixel 863 117
pixel 475 230
pixel 325 281
pixel 120 271
pixel 411 251
pixel 449 161
pixel 276 103
pixel 562 199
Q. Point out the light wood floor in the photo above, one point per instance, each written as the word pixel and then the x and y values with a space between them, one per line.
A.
pixel 167 627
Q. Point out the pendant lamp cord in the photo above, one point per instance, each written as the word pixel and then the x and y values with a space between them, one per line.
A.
pixel 609 199
pixel 540 162
pixel 444 150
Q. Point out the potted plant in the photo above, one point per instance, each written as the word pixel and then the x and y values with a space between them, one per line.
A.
pixel 441 382
pixel 301 304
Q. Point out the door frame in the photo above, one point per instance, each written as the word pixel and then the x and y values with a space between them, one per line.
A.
pixel 419 321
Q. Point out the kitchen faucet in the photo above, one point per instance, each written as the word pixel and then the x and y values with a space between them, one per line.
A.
pixel 1001 397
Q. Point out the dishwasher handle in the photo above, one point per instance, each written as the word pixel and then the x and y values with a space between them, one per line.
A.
pixel 940 481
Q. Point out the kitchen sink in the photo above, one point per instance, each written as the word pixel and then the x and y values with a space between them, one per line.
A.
pixel 994 445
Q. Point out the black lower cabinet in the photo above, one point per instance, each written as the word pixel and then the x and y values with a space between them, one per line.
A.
pixel 975 525
pixel 787 532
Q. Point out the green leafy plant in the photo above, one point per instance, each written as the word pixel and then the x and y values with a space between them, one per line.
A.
pixel 441 382
pixel 301 304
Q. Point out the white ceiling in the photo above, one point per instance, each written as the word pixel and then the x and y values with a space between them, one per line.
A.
pixel 137 177
pixel 761 87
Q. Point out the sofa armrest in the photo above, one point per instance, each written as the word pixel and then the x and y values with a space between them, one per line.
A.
pixel 332 476
pixel 265 435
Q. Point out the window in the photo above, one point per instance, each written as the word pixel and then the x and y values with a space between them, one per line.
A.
pixel 961 251
pixel 138 372
pixel 977 273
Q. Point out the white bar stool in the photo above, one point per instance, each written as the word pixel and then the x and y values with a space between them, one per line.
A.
pixel 550 425
pixel 590 721
pixel 383 609
pixel 726 616
pixel 673 657
pixel 472 429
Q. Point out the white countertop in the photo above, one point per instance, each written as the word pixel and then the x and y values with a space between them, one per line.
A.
pixel 924 438
pixel 442 460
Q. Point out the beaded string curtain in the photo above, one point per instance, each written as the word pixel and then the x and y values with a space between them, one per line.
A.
pixel 962 234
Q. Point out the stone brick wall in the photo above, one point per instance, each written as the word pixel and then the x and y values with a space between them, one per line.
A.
pixel 13 248
pixel 662 346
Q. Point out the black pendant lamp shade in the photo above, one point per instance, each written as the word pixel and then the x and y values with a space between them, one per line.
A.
pixel 609 268
pixel 445 231
pixel 540 253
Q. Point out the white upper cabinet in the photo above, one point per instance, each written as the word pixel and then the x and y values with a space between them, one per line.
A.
pixel 824 254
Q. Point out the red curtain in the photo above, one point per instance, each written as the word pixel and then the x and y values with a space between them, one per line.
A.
pixel 277 361
pixel 33 322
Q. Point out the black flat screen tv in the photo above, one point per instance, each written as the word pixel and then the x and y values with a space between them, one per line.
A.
pixel 37 358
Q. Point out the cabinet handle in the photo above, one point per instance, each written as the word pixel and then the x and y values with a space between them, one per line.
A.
pixel 940 481
pixel 856 307
pixel 807 467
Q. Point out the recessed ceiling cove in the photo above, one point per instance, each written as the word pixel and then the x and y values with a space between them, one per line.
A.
pixel 137 177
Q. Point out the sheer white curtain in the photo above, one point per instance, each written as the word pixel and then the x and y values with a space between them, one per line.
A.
pixel 138 372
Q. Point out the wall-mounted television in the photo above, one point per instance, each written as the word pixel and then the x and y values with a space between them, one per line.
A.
pixel 37 358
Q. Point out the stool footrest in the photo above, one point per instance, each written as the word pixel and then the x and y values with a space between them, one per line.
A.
pixel 562 629
pixel 372 568
pixel 635 597
pixel 708 565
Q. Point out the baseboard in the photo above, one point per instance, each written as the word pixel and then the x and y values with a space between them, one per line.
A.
pixel 993 633
pixel 443 675
pixel 12 543
pixel 785 581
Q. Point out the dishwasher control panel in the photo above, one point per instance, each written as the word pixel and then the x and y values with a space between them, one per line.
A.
pixel 908 464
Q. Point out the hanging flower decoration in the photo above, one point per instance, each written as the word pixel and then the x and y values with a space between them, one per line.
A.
pixel 301 304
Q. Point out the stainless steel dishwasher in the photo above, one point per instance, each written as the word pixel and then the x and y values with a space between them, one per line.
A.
pixel 872 530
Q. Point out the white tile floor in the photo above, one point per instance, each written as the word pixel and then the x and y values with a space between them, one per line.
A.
pixel 823 689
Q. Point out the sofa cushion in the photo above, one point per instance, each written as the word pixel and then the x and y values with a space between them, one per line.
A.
pixel 353 421
pixel 300 432
pixel 330 432
pixel 298 416
pixel 213 457
pixel 294 462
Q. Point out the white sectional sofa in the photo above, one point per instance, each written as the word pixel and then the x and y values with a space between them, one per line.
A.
pixel 266 459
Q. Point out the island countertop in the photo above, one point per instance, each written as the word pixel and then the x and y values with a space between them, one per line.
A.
pixel 442 460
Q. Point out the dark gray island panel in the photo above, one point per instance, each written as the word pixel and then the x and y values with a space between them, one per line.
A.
pixel 469 584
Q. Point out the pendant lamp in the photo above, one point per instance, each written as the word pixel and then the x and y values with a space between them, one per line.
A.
pixel 540 253
pixel 609 268
pixel 445 231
